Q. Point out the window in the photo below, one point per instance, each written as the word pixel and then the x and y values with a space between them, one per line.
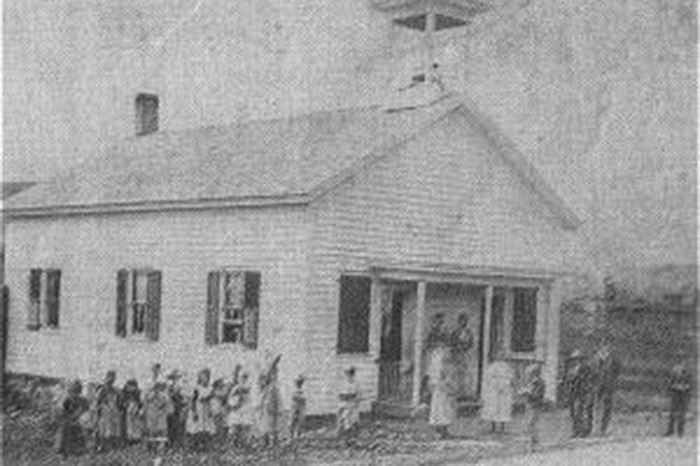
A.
pixel 233 304
pixel 44 298
pixel 138 303
pixel 513 326
pixel 524 320
pixel 353 314
pixel 146 114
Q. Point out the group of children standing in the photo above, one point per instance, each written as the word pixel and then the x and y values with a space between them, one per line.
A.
pixel 239 414
pixel 168 415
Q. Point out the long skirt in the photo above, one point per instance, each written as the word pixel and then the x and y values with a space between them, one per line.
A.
pixel 441 411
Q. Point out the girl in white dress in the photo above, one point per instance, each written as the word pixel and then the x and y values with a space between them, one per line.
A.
pixel 498 394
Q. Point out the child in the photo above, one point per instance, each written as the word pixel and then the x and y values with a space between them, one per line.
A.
pixel 270 407
pixel 680 389
pixel 71 440
pixel 177 419
pixel 498 394
pixel 349 408
pixel 200 425
pixel 131 411
pixel 218 406
pixel 108 415
pixel 241 411
pixel 534 395
pixel 157 407
pixel 298 409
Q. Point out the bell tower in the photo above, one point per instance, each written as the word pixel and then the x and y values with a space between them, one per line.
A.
pixel 431 18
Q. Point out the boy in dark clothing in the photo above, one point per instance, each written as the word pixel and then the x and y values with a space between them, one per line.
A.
pixel 71 439
pixel 534 395
pixel 680 386
pixel 178 417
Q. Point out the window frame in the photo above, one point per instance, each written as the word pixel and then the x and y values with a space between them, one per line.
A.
pixel 39 318
pixel 533 351
pixel 132 292
pixel 223 305
pixel 508 316
pixel 147 107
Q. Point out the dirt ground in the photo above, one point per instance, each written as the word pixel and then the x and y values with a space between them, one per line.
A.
pixel 29 440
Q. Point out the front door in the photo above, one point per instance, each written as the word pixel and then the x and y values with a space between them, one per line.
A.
pixel 390 348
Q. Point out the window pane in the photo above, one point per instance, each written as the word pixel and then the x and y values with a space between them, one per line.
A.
pixel 234 289
pixel 139 316
pixel 140 287
pixel 353 319
pixel 231 333
pixel 524 320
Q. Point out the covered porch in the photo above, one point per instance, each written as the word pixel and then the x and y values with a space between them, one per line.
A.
pixel 480 314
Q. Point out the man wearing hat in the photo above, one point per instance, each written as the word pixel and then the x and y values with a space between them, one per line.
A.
pixel 580 388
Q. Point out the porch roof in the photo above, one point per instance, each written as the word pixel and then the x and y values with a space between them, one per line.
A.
pixel 461 273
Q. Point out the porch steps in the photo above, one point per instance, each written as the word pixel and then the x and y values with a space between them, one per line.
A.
pixel 402 410
pixel 393 410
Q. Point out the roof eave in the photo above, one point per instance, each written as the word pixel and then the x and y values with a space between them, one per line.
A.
pixel 158 206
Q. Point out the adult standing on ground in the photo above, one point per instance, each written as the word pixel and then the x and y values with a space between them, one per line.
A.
pixel 680 385
pixel 498 393
pixel 607 371
pixel 580 389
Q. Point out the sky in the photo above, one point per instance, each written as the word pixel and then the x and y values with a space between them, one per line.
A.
pixel 600 95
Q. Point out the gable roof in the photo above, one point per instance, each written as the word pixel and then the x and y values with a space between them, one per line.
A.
pixel 265 162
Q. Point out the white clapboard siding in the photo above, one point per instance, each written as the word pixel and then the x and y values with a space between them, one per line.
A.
pixel 184 246
pixel 444 197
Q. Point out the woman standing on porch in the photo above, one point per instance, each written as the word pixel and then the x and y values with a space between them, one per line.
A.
pixel 498 393
pixel 441 409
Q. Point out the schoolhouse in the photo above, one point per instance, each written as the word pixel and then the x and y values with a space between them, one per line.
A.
pixel 330 238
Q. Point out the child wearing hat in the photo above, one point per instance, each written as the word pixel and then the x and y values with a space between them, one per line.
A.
pixel 71 439
pixel 108 414
pixel 241 411
pixel 157 408
pixel 178 417
pixel 349 403
pixel 200 425
pixel 534 395
pixel 131 411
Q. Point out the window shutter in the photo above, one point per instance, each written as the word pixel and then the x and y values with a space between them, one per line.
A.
pixel 252 309
pixel 53 296
pixel 211 324
pixel 122 301
pixel 34 311
pixel 153 300
pixel 353 318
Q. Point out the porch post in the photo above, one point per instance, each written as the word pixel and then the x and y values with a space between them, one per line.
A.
pixel 551 365
pixel 375 318
pixel 486 339
pixel 418 341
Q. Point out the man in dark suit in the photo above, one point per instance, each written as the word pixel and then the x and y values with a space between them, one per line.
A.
pixel 607 371
pixel 580 380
